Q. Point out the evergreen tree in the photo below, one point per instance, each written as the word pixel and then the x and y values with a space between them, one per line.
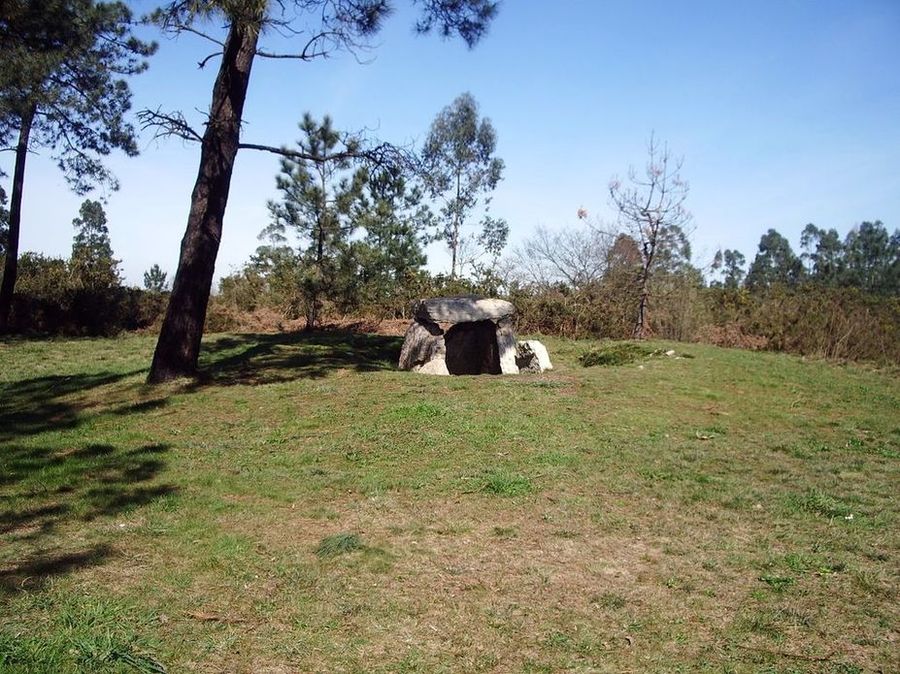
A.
pixel 774 264
pixel 731 265
pixel 459 168
pixel 395 222
pixel 673 255
pixel 319 194
pixel 624 256
pixel 92 264
pixel 823 254
pixel 155 280
pixel 323 27
pixel 62 64
pixel 872 258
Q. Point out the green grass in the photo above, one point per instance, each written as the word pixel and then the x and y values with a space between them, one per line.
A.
pixel 615 353
pixel 306 507
pixel 339 544
pixel 504 482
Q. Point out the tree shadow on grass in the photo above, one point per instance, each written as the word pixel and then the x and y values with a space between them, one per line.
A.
pixel 270 358
pixel 49 403
pixel 50 488
pixel 32 406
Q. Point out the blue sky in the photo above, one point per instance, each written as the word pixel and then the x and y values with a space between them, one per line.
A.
pixel 786 112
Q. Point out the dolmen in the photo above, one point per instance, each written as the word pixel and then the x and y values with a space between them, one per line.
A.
pixel 468 335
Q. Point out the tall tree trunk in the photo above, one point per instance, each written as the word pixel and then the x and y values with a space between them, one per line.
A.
pixel 179 340
pixel 11 266
pixel 454 242
pixel 640 323
pixel 648 252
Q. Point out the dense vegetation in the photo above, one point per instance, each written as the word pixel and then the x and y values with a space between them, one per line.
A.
pixel 850 312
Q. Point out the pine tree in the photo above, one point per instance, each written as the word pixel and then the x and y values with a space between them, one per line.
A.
pixel 319 193
pixel 92 265
pixel 323 26
pixel 62 64
pixel 155 280
pixel 395 222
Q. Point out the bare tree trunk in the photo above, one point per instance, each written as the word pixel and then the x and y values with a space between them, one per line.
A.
pixel 454 242
pixel 11 266
pixel 641 322
pixel 179 341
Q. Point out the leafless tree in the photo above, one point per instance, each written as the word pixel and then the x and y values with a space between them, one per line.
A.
pixel 651 208
pixel 575 257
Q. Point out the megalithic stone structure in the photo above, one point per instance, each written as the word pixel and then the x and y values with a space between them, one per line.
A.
pixel 465 335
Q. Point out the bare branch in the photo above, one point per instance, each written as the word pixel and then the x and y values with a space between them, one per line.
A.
pixel 200 33
pixel 316 47
pixel 574 257
pixel 652 209
pixel 168 124
pixel 202 64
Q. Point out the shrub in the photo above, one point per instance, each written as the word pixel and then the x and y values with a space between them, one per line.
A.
pixel 620 353
pixel 51 299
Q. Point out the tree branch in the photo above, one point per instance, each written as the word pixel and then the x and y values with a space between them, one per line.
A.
pixel 171 124
pixel 383 154
pixel 202 64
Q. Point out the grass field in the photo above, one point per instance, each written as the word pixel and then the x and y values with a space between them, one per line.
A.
pixel 307 508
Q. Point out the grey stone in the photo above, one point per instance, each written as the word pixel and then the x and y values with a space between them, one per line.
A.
pixel 463 309
pixel 423 343
pixel 506 343
pixel 532 355
pixel 526 359
pixel 436 366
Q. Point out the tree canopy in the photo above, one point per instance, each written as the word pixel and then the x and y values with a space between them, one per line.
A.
pixel 459 168
pixel 63 70
pixel 868 258
pixel 155 279
pixel 92 264
pixel 775 263
pixel 319 193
